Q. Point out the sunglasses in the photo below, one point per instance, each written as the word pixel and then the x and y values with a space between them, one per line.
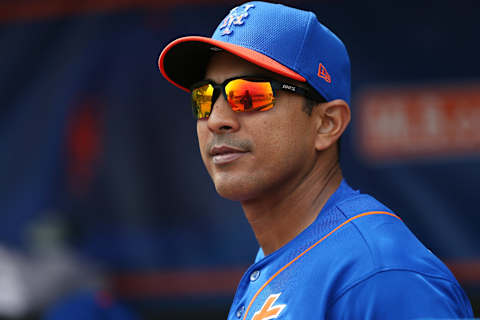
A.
pixel 244 94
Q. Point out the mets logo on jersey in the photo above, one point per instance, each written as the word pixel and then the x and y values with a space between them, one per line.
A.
pixel 269 310
pixel 236 17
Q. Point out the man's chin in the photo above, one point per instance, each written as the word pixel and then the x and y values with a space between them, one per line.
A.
pixel 230 194
pixel 234 192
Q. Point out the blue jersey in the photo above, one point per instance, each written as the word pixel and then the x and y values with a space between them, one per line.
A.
pixel 357 260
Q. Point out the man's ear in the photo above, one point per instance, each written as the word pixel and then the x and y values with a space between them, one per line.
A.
pixel 332 119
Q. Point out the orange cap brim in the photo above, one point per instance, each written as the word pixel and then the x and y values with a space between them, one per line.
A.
pixel 250 55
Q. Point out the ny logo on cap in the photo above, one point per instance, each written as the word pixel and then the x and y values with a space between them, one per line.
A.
pixel 235 18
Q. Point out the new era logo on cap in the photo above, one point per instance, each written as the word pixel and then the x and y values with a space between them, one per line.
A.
pixel 323 73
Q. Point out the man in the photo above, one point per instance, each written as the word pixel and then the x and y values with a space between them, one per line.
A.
pixel 326 251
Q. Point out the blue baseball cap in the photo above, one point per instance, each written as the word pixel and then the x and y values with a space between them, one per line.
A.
pixel 284 40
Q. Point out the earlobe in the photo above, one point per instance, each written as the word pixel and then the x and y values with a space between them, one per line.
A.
pixel 332 120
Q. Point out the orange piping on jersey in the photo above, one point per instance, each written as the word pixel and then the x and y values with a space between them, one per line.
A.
pixel 310 248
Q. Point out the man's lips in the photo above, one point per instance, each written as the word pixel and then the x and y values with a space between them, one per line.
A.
pixel 225 154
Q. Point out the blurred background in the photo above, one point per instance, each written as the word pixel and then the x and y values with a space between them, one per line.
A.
pixel 105 207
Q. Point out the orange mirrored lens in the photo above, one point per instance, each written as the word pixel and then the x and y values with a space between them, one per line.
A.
pixel 247 95
pixel 202 101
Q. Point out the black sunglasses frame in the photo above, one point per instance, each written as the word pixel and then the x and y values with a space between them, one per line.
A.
pixel 276 85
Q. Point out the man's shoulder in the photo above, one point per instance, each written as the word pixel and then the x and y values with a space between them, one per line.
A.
pixel 389 270
pixel 379 249
pixel 382 241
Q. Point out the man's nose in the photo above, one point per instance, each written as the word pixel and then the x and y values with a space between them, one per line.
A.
pixel 222 118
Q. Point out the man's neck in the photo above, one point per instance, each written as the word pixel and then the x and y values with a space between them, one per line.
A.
pixel 279 217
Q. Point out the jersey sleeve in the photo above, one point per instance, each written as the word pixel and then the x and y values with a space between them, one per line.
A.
pixel 400 294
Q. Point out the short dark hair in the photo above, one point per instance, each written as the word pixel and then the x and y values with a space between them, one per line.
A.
pixel 311 100
pixel 309 105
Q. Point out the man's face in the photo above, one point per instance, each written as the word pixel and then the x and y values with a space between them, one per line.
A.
pixel 254 154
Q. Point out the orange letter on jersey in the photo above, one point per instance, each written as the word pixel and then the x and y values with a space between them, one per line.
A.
pixel 268 312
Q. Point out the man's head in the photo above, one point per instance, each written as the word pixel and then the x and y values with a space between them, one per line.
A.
pixel 250 154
